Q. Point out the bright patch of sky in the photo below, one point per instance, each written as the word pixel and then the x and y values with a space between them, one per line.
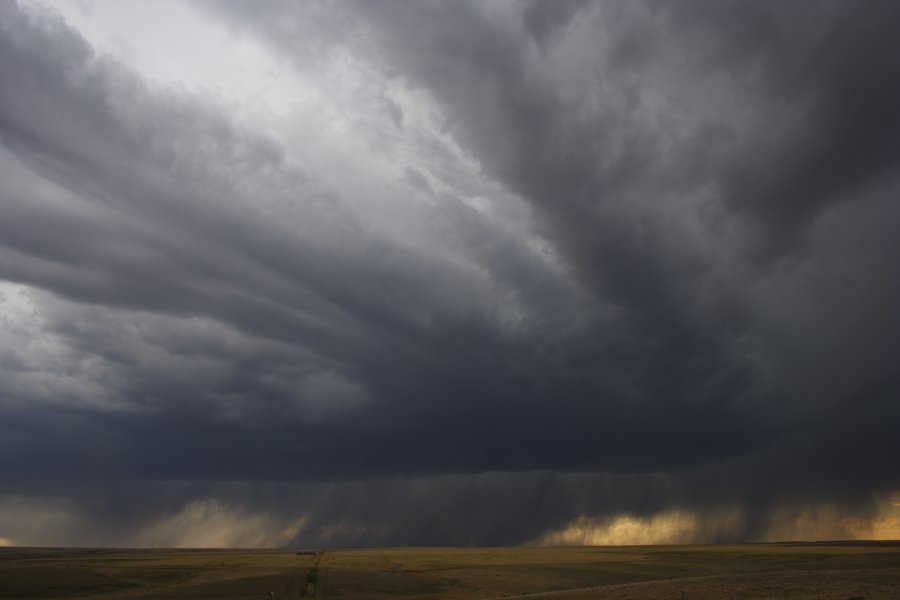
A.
pixel 346 108
pixel 168 44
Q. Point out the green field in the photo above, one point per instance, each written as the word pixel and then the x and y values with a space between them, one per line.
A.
pixel 821 571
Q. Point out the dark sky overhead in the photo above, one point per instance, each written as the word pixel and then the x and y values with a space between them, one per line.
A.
pixel 448 272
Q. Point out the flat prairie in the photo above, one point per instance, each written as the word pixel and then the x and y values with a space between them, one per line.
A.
pixel 825 571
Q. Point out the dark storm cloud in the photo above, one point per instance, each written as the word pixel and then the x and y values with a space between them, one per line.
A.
pixel 212 309
pixel 830 86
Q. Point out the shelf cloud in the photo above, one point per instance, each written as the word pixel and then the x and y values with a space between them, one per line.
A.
pixel 448 272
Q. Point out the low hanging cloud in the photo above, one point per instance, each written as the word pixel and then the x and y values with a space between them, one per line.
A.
pixel 402 267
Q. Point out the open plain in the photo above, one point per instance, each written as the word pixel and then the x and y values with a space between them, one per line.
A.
pixel 839 571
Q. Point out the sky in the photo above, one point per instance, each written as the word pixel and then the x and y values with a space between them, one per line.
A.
pixel 496 272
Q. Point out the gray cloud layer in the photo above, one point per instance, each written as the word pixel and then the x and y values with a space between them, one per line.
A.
pixel 682 292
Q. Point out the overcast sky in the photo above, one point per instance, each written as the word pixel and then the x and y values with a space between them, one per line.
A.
pixel 448 272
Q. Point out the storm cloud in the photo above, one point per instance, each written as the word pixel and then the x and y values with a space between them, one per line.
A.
pixel 445 272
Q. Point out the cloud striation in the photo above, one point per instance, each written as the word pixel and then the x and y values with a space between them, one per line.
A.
pixel 445 272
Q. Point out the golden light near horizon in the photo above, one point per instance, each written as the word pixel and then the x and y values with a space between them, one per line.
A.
pixel 813 523
pixel 212 524
pixel 887 525
pixel 829 522
pixel 672 527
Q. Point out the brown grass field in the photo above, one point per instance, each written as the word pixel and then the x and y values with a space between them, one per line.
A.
pixel 825 571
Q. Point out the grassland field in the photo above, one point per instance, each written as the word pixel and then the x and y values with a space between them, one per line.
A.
pixel 825 571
